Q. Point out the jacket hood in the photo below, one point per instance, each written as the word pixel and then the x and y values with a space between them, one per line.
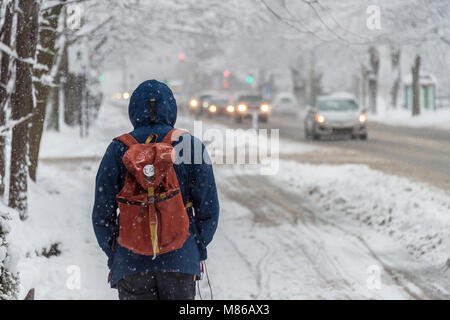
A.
pixel 139 107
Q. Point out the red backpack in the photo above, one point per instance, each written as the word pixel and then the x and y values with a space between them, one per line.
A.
pixel 153 218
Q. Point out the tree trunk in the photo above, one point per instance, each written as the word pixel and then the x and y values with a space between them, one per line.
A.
pixel 53 118
pixel 373 79
pixel 57 92
pixel 5 75
pixel 46 58
pixel 415 70
pixel 395 63
pixel 22 104
pixel 312 83
pixel 298 87
pixel 72 99
pixel 364 88
pixel 72 92
pixel 373 88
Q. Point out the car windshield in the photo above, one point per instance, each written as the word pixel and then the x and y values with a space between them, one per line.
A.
pixel 250 98
pixel 219 102
pixel 337 105
pixel 286 100
pixel 205 97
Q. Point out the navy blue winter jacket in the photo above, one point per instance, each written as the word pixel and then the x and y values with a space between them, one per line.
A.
pixel 196 181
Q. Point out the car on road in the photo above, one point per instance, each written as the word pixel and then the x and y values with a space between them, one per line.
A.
pixel 200 104
pixel 219 105
pixel 335 115
pixel 247 104
pixel 285 104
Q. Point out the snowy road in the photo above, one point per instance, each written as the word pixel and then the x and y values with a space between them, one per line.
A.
pixel 296 250
pixel 421 154
pixel 303 246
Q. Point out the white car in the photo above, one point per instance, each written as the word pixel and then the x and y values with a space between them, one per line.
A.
pixel 285 104
pixel 335 115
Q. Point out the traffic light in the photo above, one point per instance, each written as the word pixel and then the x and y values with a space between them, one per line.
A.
pixel 226 74
pixel 101 78
pixel 181 57
pixel 249 79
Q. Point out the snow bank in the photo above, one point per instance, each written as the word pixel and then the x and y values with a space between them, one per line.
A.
pixel 60 213
pixel 317 237
pixel 414 214
pixel 439 119
pixel 8 256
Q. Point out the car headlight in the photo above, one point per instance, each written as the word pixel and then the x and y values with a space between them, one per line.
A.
pixel 230 109
pixel 320 118
pixel 362 118
pixel 265 108
pixel 212 108
pixel 193 103
pixel 242 108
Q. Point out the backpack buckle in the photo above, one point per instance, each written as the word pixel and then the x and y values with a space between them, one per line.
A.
pixel 151 138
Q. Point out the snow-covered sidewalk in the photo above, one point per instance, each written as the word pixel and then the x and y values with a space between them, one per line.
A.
pixel 60 206
pixel 439 119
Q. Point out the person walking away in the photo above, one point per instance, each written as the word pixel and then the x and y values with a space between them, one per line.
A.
pixel 168 210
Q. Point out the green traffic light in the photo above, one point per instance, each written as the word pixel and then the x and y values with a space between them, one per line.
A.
pixel 249 79
pixel 101 78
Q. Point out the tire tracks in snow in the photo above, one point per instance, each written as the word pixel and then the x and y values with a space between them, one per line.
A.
pixel 264 193
pixel 288 240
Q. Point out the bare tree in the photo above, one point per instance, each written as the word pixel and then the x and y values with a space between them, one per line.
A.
pixel 373 78
pixel 415 71
pixel 22 103
pixel 395 64
pixel 44 74
pixel 5 75
pixel 363 87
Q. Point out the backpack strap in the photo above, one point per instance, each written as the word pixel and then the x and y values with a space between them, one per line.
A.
pixel 173 136
pixel 127 139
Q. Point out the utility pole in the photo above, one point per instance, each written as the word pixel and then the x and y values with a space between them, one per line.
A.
pixel 125 75
pixel 415 70
pixel 363 87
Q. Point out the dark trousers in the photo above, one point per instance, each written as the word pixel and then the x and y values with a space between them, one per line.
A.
pixel 157 286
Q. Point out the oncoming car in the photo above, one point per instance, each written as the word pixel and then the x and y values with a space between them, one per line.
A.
pixel 219 105
pixel 335 115
pixel 201 104
pixel 246 104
